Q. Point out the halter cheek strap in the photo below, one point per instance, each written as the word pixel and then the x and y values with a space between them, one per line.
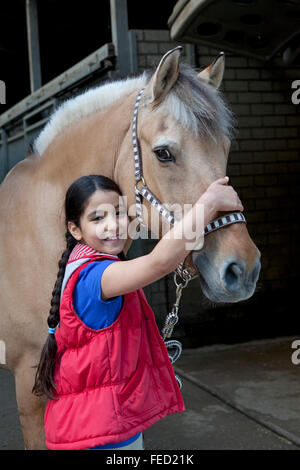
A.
pixel 144 191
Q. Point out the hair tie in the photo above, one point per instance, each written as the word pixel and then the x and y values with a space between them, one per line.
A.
pixel 51 331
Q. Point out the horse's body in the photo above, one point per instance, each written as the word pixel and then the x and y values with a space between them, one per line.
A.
pixel 98 141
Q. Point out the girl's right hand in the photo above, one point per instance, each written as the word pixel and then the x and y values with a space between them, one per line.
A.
pixel 223 197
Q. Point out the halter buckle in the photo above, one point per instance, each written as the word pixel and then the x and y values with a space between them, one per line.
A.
pixel 141 178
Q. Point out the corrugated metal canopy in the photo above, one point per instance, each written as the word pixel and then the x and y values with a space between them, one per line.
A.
pixel 261 29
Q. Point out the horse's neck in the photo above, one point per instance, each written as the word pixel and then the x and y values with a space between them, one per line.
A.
pixel 91 145
pixel 98 144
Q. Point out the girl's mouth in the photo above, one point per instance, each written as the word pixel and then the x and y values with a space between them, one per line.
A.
pixel 112 240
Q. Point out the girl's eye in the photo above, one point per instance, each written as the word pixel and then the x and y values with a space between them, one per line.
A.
pixel 164 155
pixel 118 214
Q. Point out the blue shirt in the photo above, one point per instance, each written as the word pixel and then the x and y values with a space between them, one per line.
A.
pixel 97 313
pixel 89 306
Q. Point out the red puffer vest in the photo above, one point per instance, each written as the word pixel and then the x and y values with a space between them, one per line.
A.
pixel 110 383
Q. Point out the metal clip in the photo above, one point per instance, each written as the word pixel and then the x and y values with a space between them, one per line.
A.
pixel 178 349
pixel 171 320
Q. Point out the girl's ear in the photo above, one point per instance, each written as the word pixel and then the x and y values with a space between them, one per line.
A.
pixel 74 231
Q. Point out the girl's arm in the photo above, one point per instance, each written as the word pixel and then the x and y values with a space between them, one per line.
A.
pixel 127 276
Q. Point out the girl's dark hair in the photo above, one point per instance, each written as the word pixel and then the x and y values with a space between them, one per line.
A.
pixel 77 197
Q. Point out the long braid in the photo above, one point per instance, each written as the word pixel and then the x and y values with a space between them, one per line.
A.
pixel 53 318
pixel 44 379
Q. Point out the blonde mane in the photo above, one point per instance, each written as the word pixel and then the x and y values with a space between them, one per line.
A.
pixel 83 105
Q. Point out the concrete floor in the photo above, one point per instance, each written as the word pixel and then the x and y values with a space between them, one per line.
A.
pixel 245 396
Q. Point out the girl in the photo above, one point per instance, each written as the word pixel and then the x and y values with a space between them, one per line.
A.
pixel 104 365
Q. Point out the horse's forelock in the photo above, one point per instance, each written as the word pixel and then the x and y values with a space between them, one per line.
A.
pixel 199 106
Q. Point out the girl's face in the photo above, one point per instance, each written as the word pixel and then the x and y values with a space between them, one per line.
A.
pixel 103 224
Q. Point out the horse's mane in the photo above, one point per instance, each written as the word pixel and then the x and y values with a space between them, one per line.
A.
pixel 194 104
pixel 83 105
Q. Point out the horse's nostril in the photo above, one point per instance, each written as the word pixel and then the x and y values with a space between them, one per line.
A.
pixel 236 275
pixel 232 276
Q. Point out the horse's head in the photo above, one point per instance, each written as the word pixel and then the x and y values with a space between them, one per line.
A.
pixel 184 131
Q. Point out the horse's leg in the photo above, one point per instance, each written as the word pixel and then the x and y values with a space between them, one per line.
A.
pixel 31 408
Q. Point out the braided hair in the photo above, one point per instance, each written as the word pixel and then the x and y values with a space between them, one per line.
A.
pixel 77 197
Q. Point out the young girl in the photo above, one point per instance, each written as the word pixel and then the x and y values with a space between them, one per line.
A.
pixel 104 365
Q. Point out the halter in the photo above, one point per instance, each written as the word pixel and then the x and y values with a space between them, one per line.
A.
pixel 184 274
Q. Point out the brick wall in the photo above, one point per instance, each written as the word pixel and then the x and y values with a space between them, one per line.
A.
pixel 264 168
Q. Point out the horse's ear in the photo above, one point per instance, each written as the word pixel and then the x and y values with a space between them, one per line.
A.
pixel 213 74
pixel 165 76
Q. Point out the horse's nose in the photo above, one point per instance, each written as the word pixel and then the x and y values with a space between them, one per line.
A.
pixel 236 275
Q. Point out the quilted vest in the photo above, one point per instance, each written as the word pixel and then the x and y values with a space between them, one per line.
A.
pixel 110 383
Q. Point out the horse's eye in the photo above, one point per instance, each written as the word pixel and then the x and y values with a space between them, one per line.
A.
pixel 164 155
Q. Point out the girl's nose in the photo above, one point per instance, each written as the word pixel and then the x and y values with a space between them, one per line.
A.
pixel 111 222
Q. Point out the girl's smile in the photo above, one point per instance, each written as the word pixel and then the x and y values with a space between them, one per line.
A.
pixel 104 223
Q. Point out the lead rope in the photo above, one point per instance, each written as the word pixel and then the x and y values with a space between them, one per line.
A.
pixel 172 317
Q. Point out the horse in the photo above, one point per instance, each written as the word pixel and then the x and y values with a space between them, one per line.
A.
pixel 182 114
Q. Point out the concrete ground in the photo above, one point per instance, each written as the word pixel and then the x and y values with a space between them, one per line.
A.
pixel 244 396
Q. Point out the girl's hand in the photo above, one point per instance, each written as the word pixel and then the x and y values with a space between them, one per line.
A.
pixel 222 197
